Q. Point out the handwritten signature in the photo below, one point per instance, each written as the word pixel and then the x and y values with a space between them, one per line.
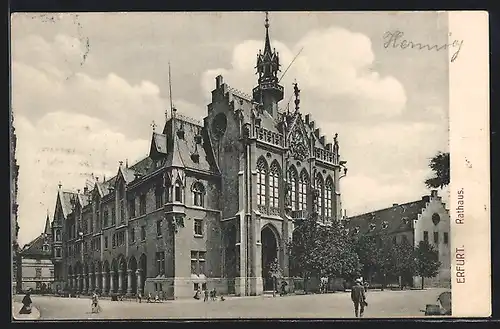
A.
pixel 395 39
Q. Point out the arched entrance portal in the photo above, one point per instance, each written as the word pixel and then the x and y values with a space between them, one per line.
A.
pixel 269 254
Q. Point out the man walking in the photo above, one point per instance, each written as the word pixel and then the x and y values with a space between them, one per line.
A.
pixel 358 297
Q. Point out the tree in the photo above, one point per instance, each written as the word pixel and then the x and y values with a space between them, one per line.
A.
pixel 403 260
pixel 367 250
pixel 426 261
pixel 440 165
pixel 322 250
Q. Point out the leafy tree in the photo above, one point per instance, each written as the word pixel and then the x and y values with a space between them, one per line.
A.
pixel 368 254
pixel 426 261
pixel 440 165
pixel 403 260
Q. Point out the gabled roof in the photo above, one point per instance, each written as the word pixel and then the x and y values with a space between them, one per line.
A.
pixel 389 220
pixel 35 247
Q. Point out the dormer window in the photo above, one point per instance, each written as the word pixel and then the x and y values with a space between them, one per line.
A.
pixel 385 225
pixel 372 227
pixel 195 157
pixel 197 139
pixel 356 230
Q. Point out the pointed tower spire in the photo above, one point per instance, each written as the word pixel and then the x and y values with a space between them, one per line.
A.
pixel 268 91
pixel 47 230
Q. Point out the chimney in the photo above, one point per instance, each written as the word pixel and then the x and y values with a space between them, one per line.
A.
pixel 394 204
pixel 218 81
pixel 434 193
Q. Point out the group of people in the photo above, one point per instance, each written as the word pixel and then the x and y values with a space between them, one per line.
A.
pixel 207 295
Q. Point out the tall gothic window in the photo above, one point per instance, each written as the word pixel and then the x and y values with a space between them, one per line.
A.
pixel 319 188
pixel 198 191
pixel 328 197
pixel 293 183
pixel 274 185
pixel 261 182
pixel 303 181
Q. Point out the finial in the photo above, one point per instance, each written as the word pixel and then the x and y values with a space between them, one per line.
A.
pixel 153 125
pixel 296 92
pixel 60 185
pixel 121 163
pixel 267 20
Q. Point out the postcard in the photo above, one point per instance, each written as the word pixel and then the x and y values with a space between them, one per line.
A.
pixel 280 165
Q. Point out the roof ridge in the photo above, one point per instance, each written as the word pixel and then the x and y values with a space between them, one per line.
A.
pixel 387 208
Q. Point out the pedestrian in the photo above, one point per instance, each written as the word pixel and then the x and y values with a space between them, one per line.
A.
pixel 214 294
pixel 26 309
pixel 139 297
pixel 150 297
pixel 358 297
pixel 283 288
pixel 205 299
pixel 95 303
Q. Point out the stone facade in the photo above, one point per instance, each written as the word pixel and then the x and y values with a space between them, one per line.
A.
pixel 210 207
pixel 425 219
pixel 14 229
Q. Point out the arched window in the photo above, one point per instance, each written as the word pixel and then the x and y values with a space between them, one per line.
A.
pixel 274 186
pixel 198 192
pixel 328 197
pixel 178 191
pixel 293 183
pixel 303 181
pixel 261 182
pixel 58 235
pixel 319 188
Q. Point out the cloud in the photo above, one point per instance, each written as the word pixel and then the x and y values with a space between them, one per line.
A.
pixel 387 143
pixel 70 124
pixel 334 70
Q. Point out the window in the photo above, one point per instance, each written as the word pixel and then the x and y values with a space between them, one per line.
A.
pixel 114 240
pixel 131 208
pixel 122 212
pixel 113 215
pixel 445 238
pixel 385 225
pixel 303 181
pixel 293 191
pixel 132 234
pixel 58 252
pixel 426 236
pixel 158 228
pixel 196 286
pixel 274 186
pixel 38 272
pixel 160 263
pixel 328 197
pixel 198 262
pixel 198 227
pixel 143 233
pixel 86 246
pixel 45 247
pixel 261 182
pixel 97 219
pixel 58 235
pixel 198 193
pixel 178 191
pixel 159 197
pixel 105 218
pixel 319 188
pixel 436 237
pixel 105 242
pixel 372 227
pixel 120 238
pixel 91 227
pixel 142 204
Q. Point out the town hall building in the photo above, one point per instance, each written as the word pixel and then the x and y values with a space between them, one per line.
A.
pixel 212 205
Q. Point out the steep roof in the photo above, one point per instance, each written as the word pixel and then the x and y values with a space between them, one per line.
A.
pixel 65 197
pixel 47 229
pixel 35 247
pixel 394 219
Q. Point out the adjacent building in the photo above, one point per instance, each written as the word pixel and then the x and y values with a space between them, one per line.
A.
pixel 211 206
pixel 37 270
pixel 422 220
pixel 14 229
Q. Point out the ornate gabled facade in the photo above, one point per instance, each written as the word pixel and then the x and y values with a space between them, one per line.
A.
pixel 37 270
pixel 426 219
pixel 212 205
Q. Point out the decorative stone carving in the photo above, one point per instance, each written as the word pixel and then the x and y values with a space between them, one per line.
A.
pixel 298 146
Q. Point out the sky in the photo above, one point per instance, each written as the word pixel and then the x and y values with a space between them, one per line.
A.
pixel 87 87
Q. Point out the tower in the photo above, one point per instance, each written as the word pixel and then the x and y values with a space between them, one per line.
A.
pixel 268 91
